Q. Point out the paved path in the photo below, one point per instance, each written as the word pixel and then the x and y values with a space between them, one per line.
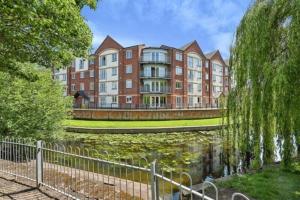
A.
pixel 17 189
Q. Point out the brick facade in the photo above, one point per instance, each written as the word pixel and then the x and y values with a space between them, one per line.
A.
pixel 151 73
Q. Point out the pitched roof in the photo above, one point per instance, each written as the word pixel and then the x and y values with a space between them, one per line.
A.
pixel 108 38
pixel 187 45
pixel 210 54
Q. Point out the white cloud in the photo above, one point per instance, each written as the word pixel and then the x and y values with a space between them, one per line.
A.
pixel 214 18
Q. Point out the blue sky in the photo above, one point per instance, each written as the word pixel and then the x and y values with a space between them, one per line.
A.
pixel 171 22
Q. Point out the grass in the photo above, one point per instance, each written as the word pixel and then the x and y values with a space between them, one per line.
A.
pixel 270 184
pixel 140 124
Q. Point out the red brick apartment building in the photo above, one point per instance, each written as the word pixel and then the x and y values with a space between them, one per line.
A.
pixel 147 77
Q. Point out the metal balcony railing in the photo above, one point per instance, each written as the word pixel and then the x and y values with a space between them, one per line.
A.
pixel 160 59
pixel 154 75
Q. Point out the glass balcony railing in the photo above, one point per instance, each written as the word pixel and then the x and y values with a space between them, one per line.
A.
pixel 144 74
pixel 146 89
pixel 155 59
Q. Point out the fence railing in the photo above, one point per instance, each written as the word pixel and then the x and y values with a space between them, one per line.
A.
pixel 131 106
pixel 81 173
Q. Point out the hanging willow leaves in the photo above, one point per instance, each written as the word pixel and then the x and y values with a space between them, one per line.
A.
pixel 265 101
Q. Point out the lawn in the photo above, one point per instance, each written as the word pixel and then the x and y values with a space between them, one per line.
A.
pixel 271 184
pixel 140 124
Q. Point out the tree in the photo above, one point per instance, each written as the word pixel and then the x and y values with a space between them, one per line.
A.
pixel 48 33
pixel 31 108
pixel 266 64
pixel 36 35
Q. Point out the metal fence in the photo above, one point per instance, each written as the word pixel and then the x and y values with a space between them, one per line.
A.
pixel 80 173
pixel 130 106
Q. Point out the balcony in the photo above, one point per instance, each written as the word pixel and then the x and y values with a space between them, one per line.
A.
pixel 156 60
pixel 145 89
pixel 155 75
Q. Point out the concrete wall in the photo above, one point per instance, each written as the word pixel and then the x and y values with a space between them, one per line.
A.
pixel 107 114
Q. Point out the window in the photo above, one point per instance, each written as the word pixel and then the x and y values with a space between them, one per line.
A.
pixel 114 71
pixel 114 99
pixel 199 86
pixel 128 69
pixel 73 75
pixel 128 83
pixel 92 86
pixel 128 54
pixel 81 86
pixel 207 64
pixel 191 100
pixel 92 99
pixel 81 74
pixel 206 76
pixel 199 74
pixel 73 88
pixel 190 61
pixel 114 85
pixel 102 100
pixel 214 78
pixel 178 70
pixel 64 77
pixel 190 87
pixel 178 85
pixel 207 88
pixel 178 56
pixel 102 74
pixel 191 74
pixel 178 101
pixel 102 87
pixel 92 73
pixel 91 61
pixel 114 57
pixel 226 71
pixel 102 60
pixel 128 99
pixel 81 64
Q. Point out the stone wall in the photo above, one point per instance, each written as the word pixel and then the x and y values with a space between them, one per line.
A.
pixel 108 114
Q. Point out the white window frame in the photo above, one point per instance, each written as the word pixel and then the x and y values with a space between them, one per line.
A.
pixel 128 84
pixel 114 99
pixel 128 54
pixel 178 56
pixel 128 99
pixel 92 73
pixel 177 70
pixel 178 103
pixel 73 75
pixel 93 86
pixel 114 85
pixel 81 87
pixel 73 87
pixel 102 89
pixel 114 71
pixel 81 74
pixel 114 57
pixel 128 69
pixel 180 82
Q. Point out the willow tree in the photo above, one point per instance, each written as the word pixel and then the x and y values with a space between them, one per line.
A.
pixel 265 101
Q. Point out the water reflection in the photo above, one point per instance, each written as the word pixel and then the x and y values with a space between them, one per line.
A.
pixel 198 153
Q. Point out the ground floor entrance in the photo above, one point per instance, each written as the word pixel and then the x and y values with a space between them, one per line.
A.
pixel 155 101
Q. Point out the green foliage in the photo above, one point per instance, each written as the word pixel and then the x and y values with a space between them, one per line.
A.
pixel 271 184
pixel 266 65
pixel 31 108
pixel 49 33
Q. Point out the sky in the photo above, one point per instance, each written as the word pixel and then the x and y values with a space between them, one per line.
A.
pixel 170 22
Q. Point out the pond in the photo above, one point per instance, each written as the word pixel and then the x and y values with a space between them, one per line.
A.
pixel 198 153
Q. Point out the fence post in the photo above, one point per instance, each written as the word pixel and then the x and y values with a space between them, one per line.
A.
pixel 39 163
pixel 154 182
